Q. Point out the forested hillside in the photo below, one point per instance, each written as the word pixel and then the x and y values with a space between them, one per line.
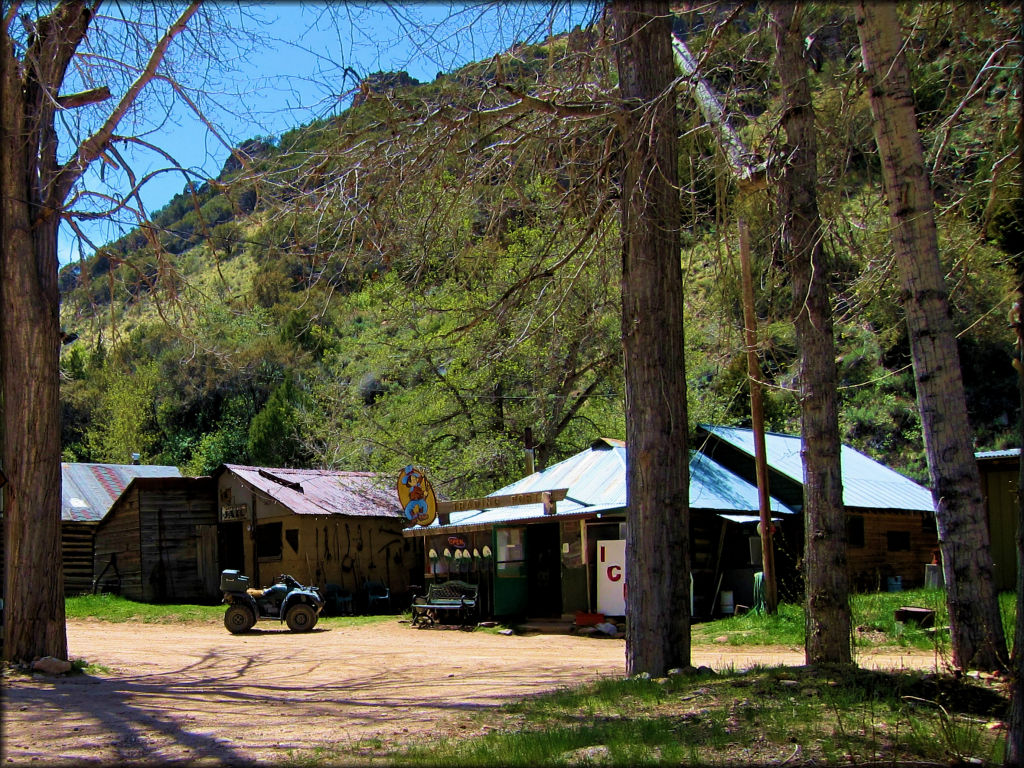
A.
pixel 433 275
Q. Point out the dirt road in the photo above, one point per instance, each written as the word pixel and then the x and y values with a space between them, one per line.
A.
pixel 194 693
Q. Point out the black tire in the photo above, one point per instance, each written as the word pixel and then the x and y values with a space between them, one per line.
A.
pixel 301 618
pixel 238 619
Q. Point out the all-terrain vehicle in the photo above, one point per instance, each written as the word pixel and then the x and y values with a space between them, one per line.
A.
pixel 286 600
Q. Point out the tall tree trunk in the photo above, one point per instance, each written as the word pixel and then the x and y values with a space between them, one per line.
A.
pixel 975 626
pixel 825 574
pixel 29 361
pixel 657 473
pixel 34 187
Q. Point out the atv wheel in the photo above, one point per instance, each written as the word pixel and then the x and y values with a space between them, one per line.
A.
pixel 238 619
pixel 301 618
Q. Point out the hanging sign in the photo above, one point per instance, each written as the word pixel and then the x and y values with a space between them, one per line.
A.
pixel 234 512
pixel 416 495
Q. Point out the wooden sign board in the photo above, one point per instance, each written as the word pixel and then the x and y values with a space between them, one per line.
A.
pixel 508 500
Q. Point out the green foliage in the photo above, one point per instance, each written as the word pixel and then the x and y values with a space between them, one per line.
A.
pixel 274 434
pixel 124 421
pixel 338 316
pixel 227 443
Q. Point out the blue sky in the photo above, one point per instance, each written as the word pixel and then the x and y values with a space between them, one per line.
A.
pixel 304 65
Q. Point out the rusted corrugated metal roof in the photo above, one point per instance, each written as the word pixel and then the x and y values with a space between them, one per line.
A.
pixel 322 491
pixel 596 482
pixel 866 483
pixel 88 491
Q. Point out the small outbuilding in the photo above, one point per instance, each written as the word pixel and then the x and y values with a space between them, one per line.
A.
pixel 158 543
pixel 88 491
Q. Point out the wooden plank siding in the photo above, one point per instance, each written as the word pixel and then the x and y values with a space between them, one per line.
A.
pixel 149 542
pixel 168 526
pixel 116 563
pixel 893 544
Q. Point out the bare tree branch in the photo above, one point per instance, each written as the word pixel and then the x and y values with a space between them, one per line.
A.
pixel 83 98
pixel 91 148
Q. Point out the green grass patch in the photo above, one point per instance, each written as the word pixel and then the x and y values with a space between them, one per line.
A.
pixel 786 627
pixel 119 609
pixel 873 617
pixel 115 608
pixel 762 716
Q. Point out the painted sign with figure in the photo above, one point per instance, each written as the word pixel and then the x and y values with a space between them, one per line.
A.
pixel 415 494
pixel 611 577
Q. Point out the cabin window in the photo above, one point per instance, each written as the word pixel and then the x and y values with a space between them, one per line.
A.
pixel 268 541
pixel 291 535
pixel 898 541
pixel 855 531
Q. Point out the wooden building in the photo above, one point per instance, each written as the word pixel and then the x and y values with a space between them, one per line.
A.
pixel 999 478
pixel 323 527
pixel 158 543
pixel 88 491
pixel 890 518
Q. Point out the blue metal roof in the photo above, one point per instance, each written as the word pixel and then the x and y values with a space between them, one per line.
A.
pixel 1009 453
pixel 596 482
pixel 88 491
pixel 866 482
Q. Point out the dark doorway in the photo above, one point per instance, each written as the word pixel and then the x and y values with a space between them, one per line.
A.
pixel 543 571
pixel 230 547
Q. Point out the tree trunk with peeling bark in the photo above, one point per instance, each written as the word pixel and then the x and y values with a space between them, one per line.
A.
pixel 828 624
pixel 657 475
pixel 976 629
pixel 34 187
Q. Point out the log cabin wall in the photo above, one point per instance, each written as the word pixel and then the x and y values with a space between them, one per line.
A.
pixel 76 540
pixel 884 545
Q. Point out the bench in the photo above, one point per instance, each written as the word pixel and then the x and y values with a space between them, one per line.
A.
pixel 458 597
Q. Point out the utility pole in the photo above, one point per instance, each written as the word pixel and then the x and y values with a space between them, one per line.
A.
pixel 757 422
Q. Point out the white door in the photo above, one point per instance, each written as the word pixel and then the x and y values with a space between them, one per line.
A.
pixel 611 577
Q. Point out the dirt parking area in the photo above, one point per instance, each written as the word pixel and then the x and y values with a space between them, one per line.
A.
pixel 192 693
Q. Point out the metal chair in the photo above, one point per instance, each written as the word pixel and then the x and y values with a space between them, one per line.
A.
pixel 376 592
pixel 338 600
